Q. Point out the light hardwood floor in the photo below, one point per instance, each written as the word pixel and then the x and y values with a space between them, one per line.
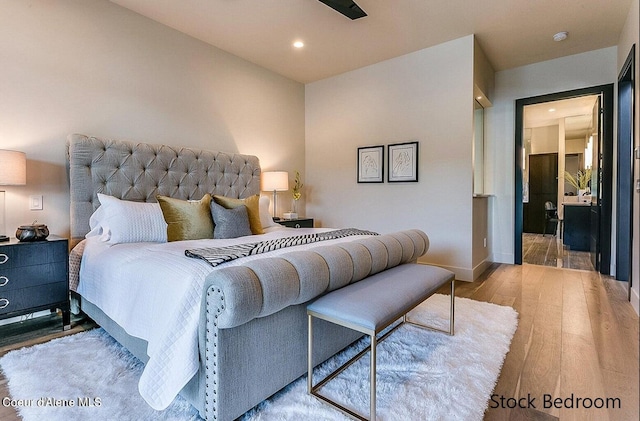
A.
pixel 548 250
pixel 577 336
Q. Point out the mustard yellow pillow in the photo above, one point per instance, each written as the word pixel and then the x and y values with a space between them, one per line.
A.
pixel 253 209
pixel 187 219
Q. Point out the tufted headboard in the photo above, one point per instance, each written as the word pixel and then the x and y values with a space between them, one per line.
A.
pixel 141 171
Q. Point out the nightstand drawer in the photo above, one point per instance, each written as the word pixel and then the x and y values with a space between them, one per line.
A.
pixel 297 223
pixel 36 253
pixel 40 296
pixel 29 276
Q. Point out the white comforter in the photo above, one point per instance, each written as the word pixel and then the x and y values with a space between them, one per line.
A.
pixel 153 291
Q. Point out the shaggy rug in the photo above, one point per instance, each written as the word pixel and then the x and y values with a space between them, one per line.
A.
pixel 421 374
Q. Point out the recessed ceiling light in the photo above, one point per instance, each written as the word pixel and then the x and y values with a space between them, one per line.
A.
pixel 479 98
pixel 551 110
pixel 560 36
pixel 298 44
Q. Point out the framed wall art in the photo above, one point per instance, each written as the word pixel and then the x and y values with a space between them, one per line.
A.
pixel 371 164
pixel 403 162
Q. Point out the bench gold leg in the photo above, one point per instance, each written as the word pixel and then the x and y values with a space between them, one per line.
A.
pixel 372 378
pixel 452 308
pixel 310 354
pixel 451 330
pixel 314 390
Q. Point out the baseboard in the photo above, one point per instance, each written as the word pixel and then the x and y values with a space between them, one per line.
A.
pixel 480 268
pixel 462 274
pixel 635 301
pixel 507 258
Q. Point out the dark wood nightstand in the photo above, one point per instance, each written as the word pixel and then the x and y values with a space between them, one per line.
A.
pixel 297 223
pixel 34 277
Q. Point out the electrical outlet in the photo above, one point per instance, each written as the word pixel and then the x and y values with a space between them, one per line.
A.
pixel 485 242
pixel 35 202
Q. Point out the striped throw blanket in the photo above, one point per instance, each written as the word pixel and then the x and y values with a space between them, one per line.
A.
pixel 217 255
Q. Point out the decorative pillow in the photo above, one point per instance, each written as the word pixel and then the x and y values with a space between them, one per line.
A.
pixel 123 221
pixel 187 219
pixel 230 223
pixel 266 220
pixel 253 209
pixel 96 222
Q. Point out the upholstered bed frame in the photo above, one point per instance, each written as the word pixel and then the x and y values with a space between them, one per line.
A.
pixel 139 172
pixel 255 344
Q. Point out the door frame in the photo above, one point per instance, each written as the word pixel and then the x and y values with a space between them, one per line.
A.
pixel 606 170
pixel 625 185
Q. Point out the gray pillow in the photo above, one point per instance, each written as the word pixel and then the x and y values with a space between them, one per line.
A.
pixel 230 223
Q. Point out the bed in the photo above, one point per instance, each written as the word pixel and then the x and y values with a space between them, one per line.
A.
pixel 225 337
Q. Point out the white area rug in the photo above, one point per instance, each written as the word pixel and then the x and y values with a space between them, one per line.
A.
pixel 421 374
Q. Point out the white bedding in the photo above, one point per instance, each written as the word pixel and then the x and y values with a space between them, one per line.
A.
pixel 153 291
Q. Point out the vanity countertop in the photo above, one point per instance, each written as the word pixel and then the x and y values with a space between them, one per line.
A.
pixel 577 203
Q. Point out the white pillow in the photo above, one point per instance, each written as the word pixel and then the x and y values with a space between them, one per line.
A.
pixel 122 221
pixel 265 216
pixel 95 224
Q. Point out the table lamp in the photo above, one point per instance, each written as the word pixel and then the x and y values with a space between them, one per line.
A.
pixel 275 181
pixel 13 172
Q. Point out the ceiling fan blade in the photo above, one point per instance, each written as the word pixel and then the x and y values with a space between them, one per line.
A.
pixel 347 7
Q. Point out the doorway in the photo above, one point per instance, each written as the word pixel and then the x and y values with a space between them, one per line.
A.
pixel 598 159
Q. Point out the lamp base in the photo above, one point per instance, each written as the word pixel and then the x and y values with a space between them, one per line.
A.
pixel 3 238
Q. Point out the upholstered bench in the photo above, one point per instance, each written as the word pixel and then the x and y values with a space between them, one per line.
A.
pixel 372 305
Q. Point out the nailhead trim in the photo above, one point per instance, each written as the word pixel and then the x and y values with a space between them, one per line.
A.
pixel 211 382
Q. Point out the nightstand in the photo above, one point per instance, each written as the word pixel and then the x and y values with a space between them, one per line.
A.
pixel 297 223
pixel 34 277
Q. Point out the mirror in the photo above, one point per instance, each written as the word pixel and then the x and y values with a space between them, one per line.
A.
pixel 526 151
pixel 478 148
pixel 578 152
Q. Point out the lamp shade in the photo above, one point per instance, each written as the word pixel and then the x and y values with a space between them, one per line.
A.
pixel 275 181
pixel 13 168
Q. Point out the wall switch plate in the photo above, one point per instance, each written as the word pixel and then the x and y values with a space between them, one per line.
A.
pixel 637 153
pixel 35 202
pixel 638 186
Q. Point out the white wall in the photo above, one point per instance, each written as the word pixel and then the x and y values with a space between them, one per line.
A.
pixel 483 75
pixel 630 35
pixel 575 146
pixel 484 83
pixel 424 96
pixel 480 239
pixel 544 140
pixel 92 67
pixel 573 72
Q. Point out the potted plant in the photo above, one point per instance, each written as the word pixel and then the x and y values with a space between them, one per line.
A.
pixel 297 194
pixel 580 181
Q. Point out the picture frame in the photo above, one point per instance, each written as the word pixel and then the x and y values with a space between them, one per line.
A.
pixel 403 162
pixel 371 164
